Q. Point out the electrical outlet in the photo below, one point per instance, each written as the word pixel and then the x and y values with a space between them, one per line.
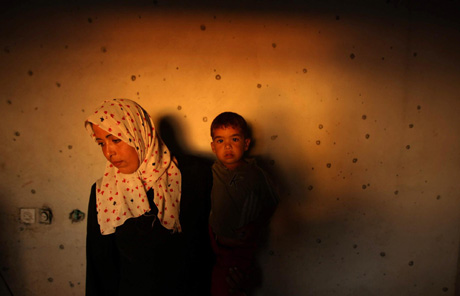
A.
pixel 27 215
pixel 45 216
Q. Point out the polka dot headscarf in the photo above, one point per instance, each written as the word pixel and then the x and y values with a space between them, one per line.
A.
pixel 122 196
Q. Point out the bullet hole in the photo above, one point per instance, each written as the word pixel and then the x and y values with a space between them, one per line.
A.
pixel 33 191
pixel 419 107
pixel 364 186
pixel 90 20
pixel 272 162
pixel 274 45
pixel 355 160
pixel 274 137
pixel 103 49
pixel 318 240
pixel 71 284
pixel 17 134
pixel 30 73
pixel 304 71
pixel 438 197
pixel 383 58
pixel 271 253
pixel 407 147
pixel 382 254
pixel 352 56
pixel 9 102
pixel 328 165
pixel 61 247
pixel 411 263
pixel 76 216
pixel 60 151
pixel 320 126
pixel 367 136
pixel 179 107
pixel 396 192
pixel 445 289
pixel 337 17
pixel 133 77
pixel 259 85
pixel 318 142
pixel 355 246
pixel 50 279
pixel 203 27
pixel 218 77
pixel 364 117
pixel 411 125
pixel 58 84
pixel 70 147
pixel 415 54
pixel 205 119
pixel 310 187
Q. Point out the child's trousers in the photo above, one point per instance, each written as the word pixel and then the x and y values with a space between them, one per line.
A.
pixel 241 258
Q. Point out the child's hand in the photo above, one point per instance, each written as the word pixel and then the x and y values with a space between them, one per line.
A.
pixel 248 233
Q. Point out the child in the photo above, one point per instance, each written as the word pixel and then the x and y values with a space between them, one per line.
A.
pixel 242 201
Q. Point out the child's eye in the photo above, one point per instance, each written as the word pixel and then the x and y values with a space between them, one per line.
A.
pixel 236 139
pixel 219 141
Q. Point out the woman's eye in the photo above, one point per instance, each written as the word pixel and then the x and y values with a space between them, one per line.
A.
pixel 100 144
pixel 116 141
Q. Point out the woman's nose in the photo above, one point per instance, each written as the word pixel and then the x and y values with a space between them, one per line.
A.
pixel 109 151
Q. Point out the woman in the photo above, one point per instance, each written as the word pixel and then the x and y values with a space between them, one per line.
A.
pixel 147 215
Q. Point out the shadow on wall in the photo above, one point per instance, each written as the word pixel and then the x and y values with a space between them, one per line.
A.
pixel 172 134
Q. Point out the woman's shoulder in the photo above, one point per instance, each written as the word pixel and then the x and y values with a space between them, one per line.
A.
pixel 95 185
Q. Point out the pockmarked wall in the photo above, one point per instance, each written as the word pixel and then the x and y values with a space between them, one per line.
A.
pixel 354 110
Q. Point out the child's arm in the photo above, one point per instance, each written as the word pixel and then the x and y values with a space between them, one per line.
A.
pixel 250 232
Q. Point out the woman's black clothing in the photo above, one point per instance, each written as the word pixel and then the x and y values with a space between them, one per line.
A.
pixel 144 258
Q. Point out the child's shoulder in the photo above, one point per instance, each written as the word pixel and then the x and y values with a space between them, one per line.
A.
pixel 253 169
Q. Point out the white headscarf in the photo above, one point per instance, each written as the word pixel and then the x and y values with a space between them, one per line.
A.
pixel 123 196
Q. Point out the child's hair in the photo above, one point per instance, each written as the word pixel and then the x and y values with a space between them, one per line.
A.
pixel 226 119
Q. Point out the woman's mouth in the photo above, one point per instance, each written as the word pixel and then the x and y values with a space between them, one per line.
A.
pixel 117 163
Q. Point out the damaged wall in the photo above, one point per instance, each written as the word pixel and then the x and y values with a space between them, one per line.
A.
pixel 354 110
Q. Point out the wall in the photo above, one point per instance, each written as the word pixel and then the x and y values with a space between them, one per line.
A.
pixel 354 108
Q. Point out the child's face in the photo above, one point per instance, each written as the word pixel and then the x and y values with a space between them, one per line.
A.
pixel 229 146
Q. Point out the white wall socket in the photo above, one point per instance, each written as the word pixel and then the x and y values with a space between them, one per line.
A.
pixel 27 215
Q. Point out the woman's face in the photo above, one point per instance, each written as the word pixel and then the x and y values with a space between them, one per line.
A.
pixel 120 154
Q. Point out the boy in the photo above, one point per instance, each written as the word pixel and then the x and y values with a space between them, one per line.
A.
pixel 242 201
